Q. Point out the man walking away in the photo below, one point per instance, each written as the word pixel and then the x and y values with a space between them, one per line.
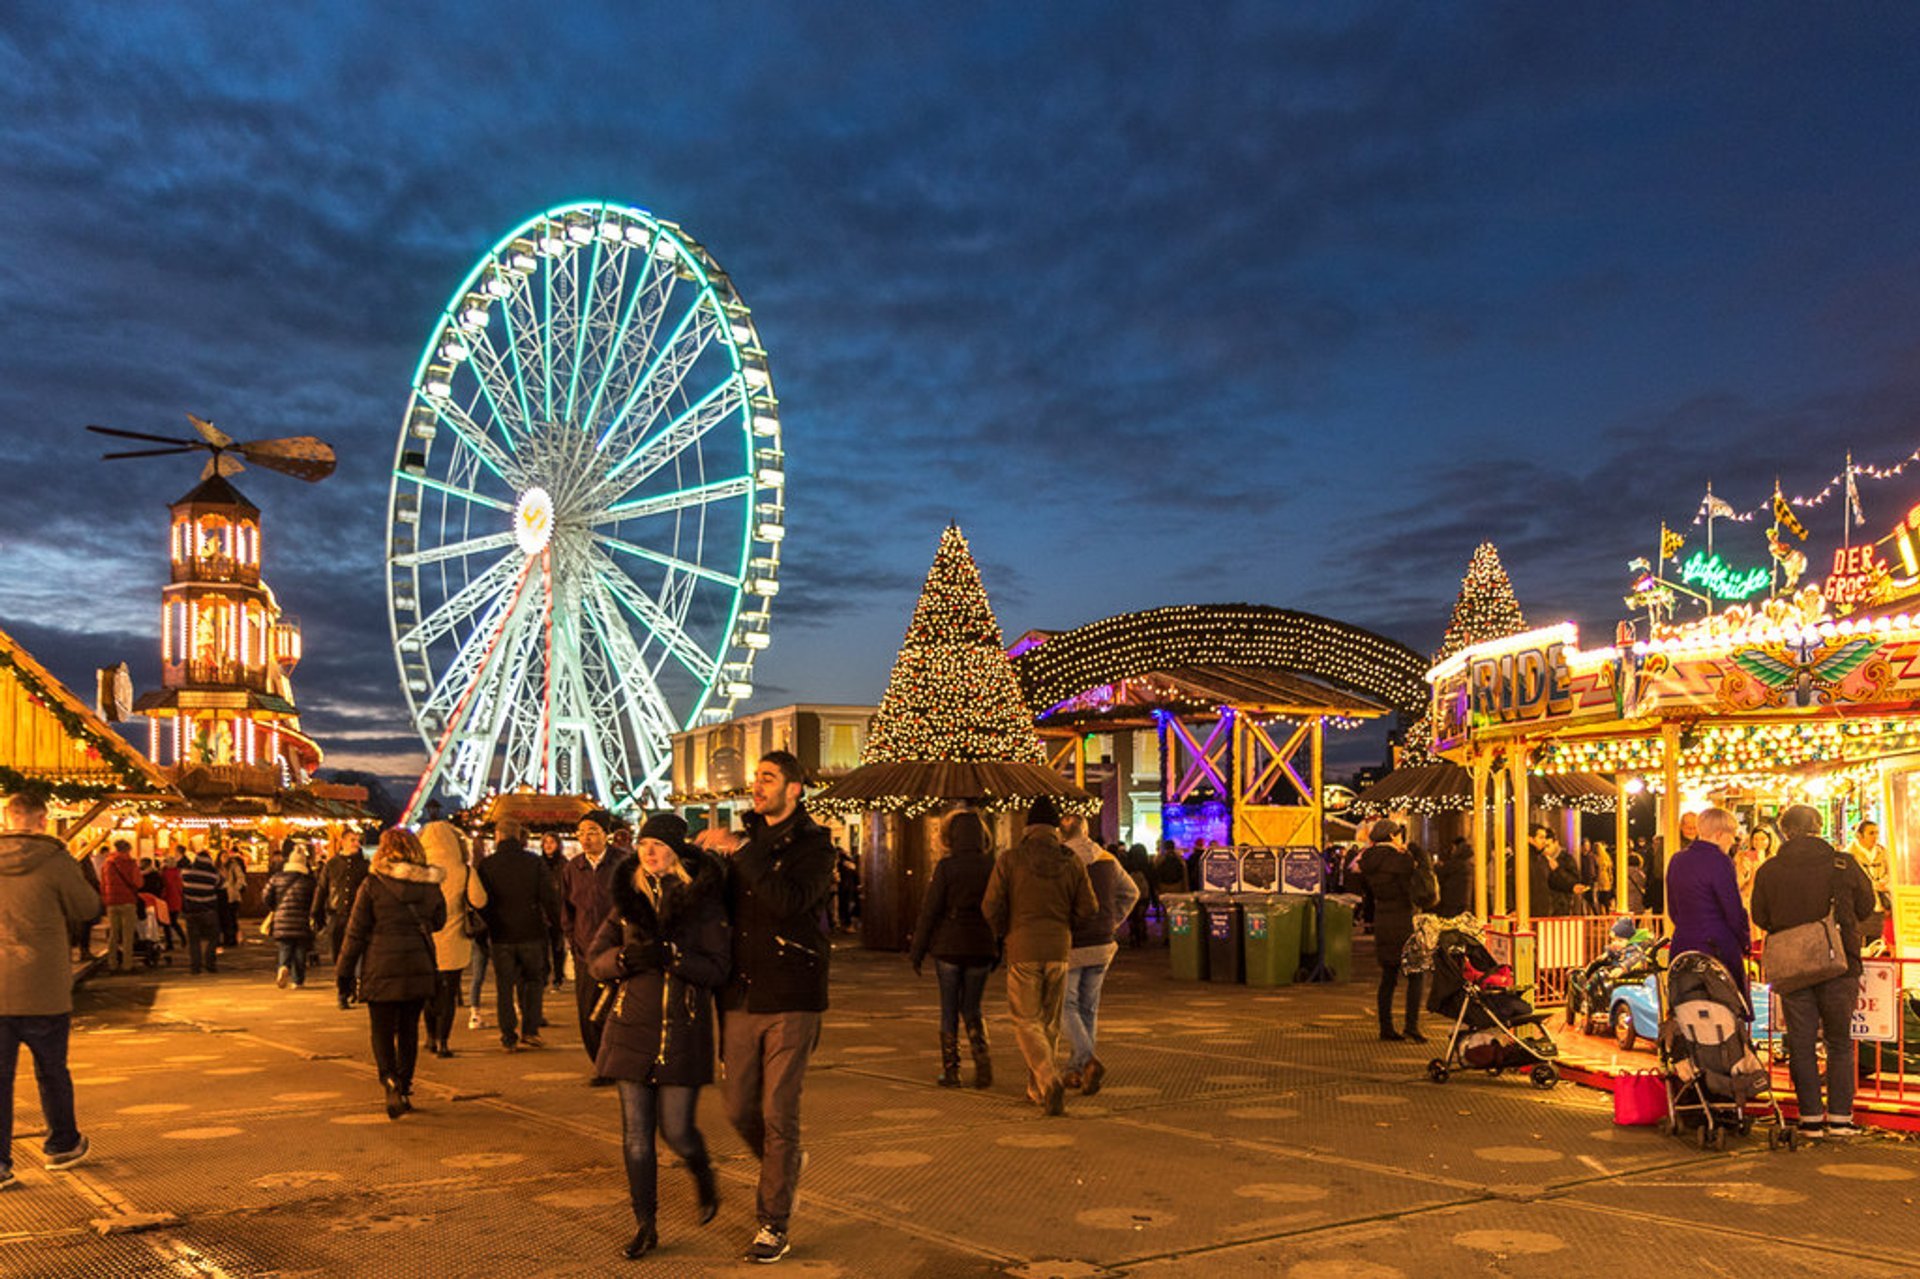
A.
pixel 523 908
pixel 333 902
pixel 200 893
pixel 586 899
pixel 1093 951
pixel 1798 885
pixel 42 895
pixel 120 890
pixel 1038 893
pixel 779 886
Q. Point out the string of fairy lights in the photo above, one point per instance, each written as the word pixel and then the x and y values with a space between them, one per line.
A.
pixel 1739 750
pixel 1485 609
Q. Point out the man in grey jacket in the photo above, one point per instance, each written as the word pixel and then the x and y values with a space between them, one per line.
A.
pixel 1093 952
pixel 42 895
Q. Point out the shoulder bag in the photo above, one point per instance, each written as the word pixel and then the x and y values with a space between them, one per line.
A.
pixel 1806 954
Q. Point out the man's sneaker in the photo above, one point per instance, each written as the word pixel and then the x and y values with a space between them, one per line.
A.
pixel 68 1158
pixel 1842 1128
pixel 532 1041
pixel 7 1177
pixel 768 1246
pixel 473 1020
pixel 1811 1131
pixel 282 977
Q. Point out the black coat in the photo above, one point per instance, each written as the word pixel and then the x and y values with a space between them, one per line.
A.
pixel 1795 884
pixel 778 886
pixel 523 901
pixel 1389 875
pixel 668 963
pixel 340 881
pixel 951 926
pixel 394 917
pixel 1455 873
pixel 289 900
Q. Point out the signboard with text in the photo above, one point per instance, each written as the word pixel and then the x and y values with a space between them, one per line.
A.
pixel 1876 1015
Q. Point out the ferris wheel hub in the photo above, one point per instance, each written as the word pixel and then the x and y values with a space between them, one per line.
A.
pixel 533 520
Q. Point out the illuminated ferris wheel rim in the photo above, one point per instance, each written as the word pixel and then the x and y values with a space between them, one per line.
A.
pixel 567 508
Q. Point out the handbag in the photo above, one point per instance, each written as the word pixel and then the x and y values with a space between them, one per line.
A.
pixel 266 925
pixel 473 925
pixel 1805 954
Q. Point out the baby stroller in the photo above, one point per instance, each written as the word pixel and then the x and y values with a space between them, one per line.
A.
pixel 1494 1027
pixel 1715 1080
pixel 1629 959
pixel 149 929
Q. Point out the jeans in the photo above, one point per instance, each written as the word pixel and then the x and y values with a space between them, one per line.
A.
pixel 1036 993
pixel 446 1001
pixel 46 1039
pixel 1389 975
pixel 1824 1011
pixel 1082 1012
pixel 203 934
pixel 766 1056
pixel 120 926
pixel 645 1109
pixel 293 956
pixel 396 1039
pixel 961 988
pixel 520 978
pixel 477 971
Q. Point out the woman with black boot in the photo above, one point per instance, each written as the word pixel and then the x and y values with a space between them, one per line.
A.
pixel 955 932
pixel 664 949
pixel 389 939
pixel 1390 874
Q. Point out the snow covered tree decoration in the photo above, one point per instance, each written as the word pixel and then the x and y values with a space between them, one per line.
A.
pixel 953 694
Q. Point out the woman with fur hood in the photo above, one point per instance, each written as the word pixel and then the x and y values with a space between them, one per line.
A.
pixel 389 940
pixel 460 888
pixel 668 946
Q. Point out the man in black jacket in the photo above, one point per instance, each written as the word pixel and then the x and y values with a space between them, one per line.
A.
pixel 333 898
pixel 779 886
pixel 586 899
pixel 522 911
pixel 1798 885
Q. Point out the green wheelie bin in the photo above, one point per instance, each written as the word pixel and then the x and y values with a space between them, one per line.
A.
pixel 1225 945
pixel 1336 939
pixel 1186 937
pixel 1273 923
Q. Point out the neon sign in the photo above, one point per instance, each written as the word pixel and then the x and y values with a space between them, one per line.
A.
pixel 1718 578
pixel 1856 571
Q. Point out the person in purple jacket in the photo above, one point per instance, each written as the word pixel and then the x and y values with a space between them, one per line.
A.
pixel 1703 896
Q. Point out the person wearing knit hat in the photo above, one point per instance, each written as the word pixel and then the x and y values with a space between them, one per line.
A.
pixel 1043 812
pixel 669 828
pixel 1036 895
pixel 954 931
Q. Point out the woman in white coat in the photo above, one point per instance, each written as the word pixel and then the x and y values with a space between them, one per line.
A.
pixel 452 949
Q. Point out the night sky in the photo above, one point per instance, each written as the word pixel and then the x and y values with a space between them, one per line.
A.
pixel 1283 304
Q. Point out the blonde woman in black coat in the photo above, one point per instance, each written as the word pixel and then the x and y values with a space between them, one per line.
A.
pixel 668 946
pixel 389 938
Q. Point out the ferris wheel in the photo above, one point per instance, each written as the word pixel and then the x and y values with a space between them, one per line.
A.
pixel 586 512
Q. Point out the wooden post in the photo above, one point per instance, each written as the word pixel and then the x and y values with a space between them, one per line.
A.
pixel 1669 809
pixel 1620 895
pixel 1503 849
pixel 1477 831
pixel 1319 782
pixel 1517 755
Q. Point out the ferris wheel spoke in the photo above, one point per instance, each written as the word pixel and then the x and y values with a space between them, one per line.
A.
pixel 579 315
pixel 652 291
pixel 680 500
pixel 629 688
pixel 696 328
pixel 466 678
pixel 454 490
pixel 461 605
pixel 667 561
pixel 454 550
pixel 522 319
pixel 498 385
pixel 666 629
pixel 473 437
pixel 685 430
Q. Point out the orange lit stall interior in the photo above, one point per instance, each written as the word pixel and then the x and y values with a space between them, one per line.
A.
pixel 1751 708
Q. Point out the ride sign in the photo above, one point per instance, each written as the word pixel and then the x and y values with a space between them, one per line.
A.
pixel 1876 1014
pixel 1526 684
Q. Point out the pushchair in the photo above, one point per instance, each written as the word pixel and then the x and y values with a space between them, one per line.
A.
pixel 1632 957
pixel 149 930
pixel 1494 1026
pixel 1715 1080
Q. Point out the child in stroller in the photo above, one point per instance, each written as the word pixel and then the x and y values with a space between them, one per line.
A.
pixel 149 930
pixel 1494 1026
pixel 1630 957
pixel 1715 1080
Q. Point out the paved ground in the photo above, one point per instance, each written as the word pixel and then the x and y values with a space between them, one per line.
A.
pixel 1241 1132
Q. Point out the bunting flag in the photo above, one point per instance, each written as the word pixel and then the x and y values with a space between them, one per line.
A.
pixel 1717 508
pixel 1670 542
pixel 1783 516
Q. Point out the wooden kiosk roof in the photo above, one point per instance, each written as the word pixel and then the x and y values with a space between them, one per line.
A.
pixel 48 735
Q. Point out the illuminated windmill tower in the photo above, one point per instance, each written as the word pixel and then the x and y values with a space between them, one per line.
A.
pixel 225 705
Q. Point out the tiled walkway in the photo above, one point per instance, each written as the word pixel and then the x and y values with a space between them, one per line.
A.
pixel 1240 1132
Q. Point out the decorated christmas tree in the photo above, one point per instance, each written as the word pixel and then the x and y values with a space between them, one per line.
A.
pixel 1486 609
pixel 953 694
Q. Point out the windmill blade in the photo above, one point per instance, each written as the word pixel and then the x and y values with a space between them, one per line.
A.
pixel 222 464
pixel 178 448
pixel 302 456
pixel 211 433
pixel 115 431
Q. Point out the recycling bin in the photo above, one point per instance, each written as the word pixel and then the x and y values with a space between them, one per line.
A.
pixel 1186 937
pixel 1336 938
pixel 1273 923
pixel 1226 945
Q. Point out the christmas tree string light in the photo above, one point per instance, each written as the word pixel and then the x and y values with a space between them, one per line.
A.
pixel 1486 609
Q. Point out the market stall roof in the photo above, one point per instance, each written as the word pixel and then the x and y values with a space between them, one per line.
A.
pixel 1196 689
pixel 48 735
pixel 1446 787
pixel 916 786
pixel 167 698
